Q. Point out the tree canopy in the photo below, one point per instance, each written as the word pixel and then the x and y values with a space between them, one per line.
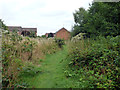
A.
pixel 2 25
pixel 102 18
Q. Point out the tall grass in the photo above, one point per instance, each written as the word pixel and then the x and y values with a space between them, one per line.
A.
pixel 22 53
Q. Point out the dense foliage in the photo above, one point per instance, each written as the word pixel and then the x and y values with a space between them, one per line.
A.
pixel 2 25
pixel 91 62
pixel 23 56
pixel 60 42
pixel 100 19
pixel 95 62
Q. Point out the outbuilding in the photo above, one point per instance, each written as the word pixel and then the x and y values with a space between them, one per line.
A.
pixel 63 34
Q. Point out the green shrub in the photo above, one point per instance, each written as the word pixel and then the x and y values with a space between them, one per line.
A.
pixel 29 70
pixel 21 85
pixel 60 42
pixel 11 60
pixel 99 59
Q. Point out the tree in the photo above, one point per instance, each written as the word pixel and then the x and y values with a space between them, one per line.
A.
pixel 43 36
pixel 2 25
pixel 79 18
pixel 102 18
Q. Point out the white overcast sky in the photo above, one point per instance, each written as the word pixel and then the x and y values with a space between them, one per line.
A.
pixel 46 15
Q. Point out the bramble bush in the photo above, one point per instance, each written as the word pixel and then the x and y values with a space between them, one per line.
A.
pixel 96 59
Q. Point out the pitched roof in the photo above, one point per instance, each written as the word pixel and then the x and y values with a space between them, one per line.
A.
pixel 62 29
pixel 30 29
pixel 14 26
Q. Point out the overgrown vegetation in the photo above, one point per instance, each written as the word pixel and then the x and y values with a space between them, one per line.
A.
pixel 60 42
pixel 2 25
pixel 91 62
pixel 95 62
pixel 22 56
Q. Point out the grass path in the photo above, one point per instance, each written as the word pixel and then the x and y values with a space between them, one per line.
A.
pixel 52 75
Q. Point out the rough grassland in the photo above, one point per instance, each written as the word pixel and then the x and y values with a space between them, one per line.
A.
pixel 52 75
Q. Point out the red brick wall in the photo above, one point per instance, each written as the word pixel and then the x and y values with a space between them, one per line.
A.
pixel 63 34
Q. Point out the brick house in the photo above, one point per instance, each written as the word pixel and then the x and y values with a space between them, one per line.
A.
pixel 15 28
pixel 34 30
pixel 63 34
pixel 22 31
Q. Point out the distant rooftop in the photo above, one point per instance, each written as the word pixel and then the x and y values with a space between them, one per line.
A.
pixel 13 26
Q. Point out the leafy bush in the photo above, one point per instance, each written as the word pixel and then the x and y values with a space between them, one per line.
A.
pixel 99 59
pixel 29 70
pixel 60 42
pixel 21 85
pixel 11 61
